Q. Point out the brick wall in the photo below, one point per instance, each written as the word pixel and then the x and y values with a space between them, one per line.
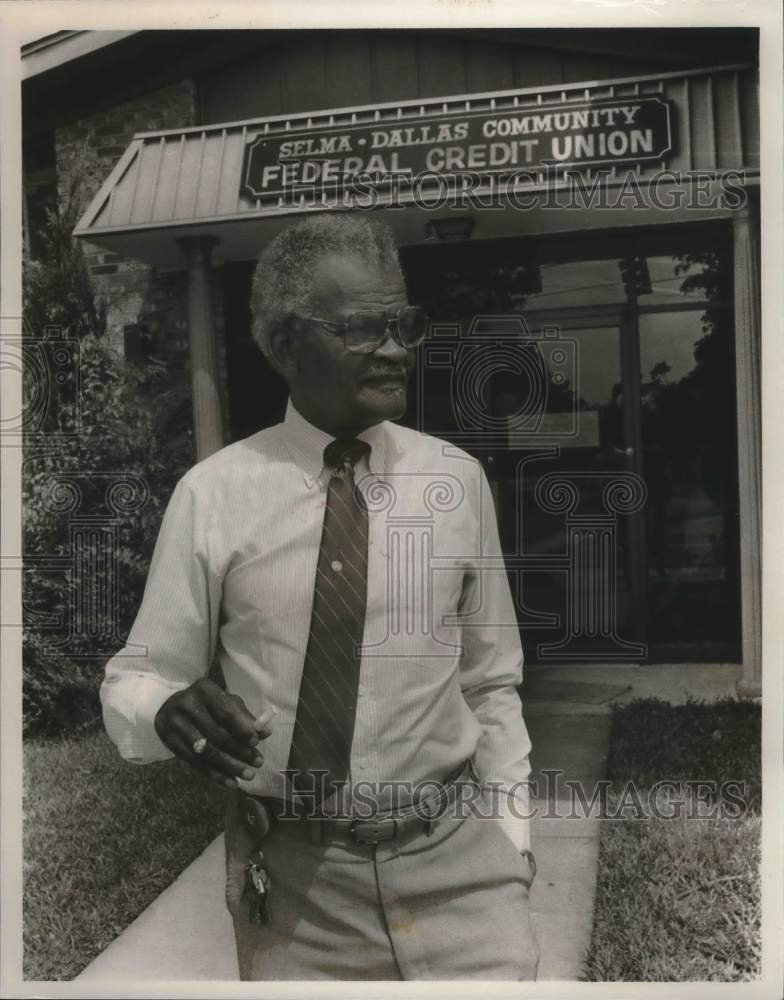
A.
pixel 134 293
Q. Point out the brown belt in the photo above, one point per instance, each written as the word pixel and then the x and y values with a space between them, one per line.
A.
pixel 417 818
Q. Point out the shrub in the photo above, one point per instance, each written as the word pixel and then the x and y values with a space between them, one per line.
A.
pixel 101 459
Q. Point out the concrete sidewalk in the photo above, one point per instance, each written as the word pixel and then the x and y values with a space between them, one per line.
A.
pixel 186 934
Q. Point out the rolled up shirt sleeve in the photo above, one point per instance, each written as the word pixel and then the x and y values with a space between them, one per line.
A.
pixel 491 671
pixel 172 641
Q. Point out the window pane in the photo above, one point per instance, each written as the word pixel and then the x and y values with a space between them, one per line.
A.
pixel 578 283
pixel 682 277
pixel 688 426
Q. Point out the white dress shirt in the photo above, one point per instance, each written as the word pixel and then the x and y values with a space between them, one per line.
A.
pixel 232 576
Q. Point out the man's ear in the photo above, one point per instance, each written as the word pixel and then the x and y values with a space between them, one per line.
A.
pixel 283 355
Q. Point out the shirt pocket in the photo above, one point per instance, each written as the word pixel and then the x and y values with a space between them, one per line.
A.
pixel 412 609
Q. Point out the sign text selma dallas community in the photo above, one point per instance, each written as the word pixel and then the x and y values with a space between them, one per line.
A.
pixel 480 141
pixel 417 135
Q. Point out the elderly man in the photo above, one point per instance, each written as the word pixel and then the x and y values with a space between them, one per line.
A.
pixel 346 575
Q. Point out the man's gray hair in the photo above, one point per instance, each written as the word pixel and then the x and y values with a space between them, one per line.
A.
pixel 283 281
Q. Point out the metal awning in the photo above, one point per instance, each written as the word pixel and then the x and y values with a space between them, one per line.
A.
pixel 187 182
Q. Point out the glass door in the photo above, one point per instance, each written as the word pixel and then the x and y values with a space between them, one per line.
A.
pixel 593 376
pixel 688 426
pixel 577 527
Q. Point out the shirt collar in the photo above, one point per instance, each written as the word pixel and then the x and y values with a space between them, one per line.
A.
pixel 306 444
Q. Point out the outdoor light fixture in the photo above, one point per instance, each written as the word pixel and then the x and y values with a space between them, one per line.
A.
pixel 635 275
pixel 451 228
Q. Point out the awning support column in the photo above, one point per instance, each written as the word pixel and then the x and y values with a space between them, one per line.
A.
pixel 207 417
pixel 747 364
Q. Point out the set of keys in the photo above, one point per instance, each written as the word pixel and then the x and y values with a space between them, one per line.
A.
pixel 256 892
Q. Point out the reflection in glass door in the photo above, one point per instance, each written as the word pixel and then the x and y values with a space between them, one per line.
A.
pixel 618 510
pixel 689 435
pixel 566 501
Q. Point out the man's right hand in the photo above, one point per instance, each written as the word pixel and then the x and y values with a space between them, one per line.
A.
pixel 232 733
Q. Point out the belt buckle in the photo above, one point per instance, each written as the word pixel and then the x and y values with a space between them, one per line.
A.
pixel 368 831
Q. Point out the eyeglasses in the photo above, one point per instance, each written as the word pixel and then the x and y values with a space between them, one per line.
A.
pixel 365 331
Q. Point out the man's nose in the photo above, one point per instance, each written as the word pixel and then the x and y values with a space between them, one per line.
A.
pixel 391 348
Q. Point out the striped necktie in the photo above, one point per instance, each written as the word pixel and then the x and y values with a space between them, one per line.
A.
pixel 324 724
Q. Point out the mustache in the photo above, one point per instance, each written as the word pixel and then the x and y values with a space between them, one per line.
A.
pixel 386 371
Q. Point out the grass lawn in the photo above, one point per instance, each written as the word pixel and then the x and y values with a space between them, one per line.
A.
pixel 678 899
pixel 102 839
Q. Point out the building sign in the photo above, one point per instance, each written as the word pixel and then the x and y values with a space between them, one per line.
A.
pixel 487 142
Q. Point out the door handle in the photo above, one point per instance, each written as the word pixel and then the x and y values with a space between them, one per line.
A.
pixel 629 452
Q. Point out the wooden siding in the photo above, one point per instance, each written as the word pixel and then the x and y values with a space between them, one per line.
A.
pixel 345 70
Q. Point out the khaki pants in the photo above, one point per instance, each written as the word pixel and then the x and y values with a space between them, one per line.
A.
pixel 450 906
